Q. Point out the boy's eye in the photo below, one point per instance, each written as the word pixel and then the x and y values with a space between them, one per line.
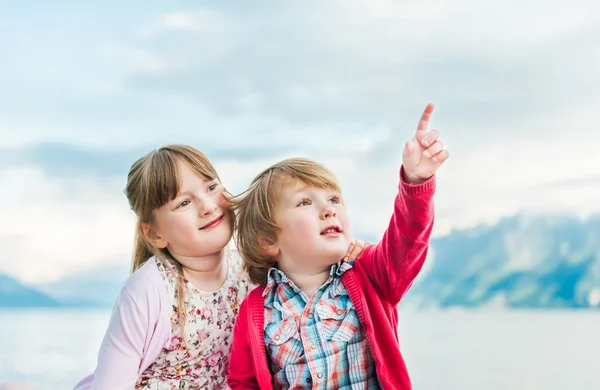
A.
pixel 335 199
pixel 304 202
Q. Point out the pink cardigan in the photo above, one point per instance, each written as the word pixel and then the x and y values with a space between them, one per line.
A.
pixel 139 328
pixel 375 284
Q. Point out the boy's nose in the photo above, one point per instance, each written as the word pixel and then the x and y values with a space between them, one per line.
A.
pixel 328 212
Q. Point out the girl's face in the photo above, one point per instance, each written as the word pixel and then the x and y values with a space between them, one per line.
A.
pixel 197 223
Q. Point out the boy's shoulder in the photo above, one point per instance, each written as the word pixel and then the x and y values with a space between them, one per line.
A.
pixel 357 276
pixel 255 299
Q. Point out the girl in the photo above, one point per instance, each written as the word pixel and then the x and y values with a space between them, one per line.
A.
pixel 171 326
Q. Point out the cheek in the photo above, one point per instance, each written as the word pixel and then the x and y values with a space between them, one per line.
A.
pixel 160 223
pixel 305 228
pixel 178 224
pixel 222 202
pixel 345 221
pixel 297 229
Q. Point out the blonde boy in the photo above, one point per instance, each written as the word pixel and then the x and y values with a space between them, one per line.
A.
pixel 315 322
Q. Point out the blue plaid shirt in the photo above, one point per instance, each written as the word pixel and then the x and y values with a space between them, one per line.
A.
pixel 316 342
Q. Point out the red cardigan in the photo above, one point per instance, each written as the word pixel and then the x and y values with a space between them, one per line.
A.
pixel 375 285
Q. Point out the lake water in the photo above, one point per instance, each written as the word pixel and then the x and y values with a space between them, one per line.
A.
pixel 462 350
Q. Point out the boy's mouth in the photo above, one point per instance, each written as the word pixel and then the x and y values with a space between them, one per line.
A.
pixel 332 231
pixel 213 223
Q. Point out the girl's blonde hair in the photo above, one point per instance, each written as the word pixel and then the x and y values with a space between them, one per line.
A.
pixel 153 181
pixel 256 208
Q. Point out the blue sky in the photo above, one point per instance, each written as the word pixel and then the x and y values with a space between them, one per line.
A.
pixel 86 88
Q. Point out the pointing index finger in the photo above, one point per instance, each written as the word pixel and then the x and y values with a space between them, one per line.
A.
pixel 424 122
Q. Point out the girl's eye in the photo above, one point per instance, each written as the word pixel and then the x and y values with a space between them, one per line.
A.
pixel 335 199
pixel 212 187
pixel 304 202
pixel 183 204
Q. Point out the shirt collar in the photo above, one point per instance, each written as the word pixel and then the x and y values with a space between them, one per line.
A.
pixel 276 277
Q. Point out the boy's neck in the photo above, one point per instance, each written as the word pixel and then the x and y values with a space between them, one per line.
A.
pixel 308 281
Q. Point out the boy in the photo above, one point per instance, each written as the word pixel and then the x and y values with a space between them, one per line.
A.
pixel 313 321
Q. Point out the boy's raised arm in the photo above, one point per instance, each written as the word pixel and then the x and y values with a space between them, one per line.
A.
pixel 396 260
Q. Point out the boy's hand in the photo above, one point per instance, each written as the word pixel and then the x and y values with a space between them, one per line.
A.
pixel 424 153
pixel 355 249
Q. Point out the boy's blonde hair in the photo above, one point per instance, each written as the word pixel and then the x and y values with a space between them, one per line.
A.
pixel 257 206
pixel 153 181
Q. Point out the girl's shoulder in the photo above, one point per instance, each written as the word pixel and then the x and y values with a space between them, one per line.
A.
pixel 145 282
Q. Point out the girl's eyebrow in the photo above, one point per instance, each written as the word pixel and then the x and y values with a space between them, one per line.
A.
pixel 189 192
pixel 182 194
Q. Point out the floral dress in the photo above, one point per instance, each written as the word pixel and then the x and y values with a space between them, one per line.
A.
pixel 210 317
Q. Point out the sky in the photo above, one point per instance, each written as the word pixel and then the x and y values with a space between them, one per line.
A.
pixel 86 88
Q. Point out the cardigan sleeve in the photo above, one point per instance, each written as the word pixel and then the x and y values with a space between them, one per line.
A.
pixel 241 368
pixel 122 348
pixel 393 263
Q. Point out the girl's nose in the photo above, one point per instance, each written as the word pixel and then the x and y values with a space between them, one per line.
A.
pixel 206 206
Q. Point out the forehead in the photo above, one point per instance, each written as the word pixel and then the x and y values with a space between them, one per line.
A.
pixel 189 176
pixel 290 187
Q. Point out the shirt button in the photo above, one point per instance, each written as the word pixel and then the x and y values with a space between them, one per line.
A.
pixel 277 337
pixel 313 346
pixel 339 312
pixel 310 316
pixel 320 375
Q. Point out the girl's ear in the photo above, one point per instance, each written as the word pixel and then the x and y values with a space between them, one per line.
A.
pixel 151 236
pixel 268 246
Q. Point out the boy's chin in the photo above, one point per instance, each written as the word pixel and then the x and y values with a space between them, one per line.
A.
pixel 334 257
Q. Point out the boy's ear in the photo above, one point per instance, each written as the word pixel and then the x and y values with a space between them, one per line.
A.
pixel 268 246
pixel 152 237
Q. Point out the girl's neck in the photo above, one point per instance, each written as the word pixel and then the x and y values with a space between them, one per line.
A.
pixel 207 273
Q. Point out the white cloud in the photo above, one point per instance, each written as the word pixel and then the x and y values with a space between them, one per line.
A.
pixel 143 61
pixel 202 20
pixel 179 21
pixel 51 227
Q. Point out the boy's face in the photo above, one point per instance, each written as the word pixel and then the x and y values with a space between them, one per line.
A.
pixel 314 227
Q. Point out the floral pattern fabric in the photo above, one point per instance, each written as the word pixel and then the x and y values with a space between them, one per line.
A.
pixel 210 317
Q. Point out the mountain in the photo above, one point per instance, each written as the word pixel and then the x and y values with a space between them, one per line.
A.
pixel 97 287
pixel 15 294
pixel 520 262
